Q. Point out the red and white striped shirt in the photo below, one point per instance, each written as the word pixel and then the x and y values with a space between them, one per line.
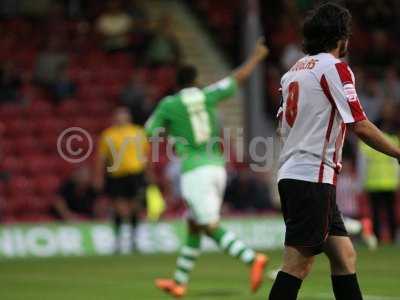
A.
pixel 319 99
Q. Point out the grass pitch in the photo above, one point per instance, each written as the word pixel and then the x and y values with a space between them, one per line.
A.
pixel 215 277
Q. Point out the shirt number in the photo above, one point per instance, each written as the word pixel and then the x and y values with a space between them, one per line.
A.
pixel 292 103
pixel 194 101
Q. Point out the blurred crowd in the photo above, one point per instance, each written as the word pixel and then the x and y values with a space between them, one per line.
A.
pixel 62 61
pixel 59 31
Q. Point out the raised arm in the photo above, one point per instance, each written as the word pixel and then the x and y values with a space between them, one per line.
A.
pixel 374 138
pixel 260 52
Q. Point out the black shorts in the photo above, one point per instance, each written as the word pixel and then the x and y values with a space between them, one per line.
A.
pixel 310 213
pixel 129 186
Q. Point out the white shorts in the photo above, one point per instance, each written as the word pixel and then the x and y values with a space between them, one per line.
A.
pixel 203 190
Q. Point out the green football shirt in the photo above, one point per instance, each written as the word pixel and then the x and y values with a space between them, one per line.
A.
pixel 190 118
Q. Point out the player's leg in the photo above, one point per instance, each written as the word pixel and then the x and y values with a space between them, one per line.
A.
pixel 188 255
pixel 134 208
pixel 134 191
pixel 390 207
pixel 192 185
pixel 305 208
pixel 113 190
pixel 375 202
pixel 342 258
pixel 185 263
pixel 210 214
pixel 232 245
pixel 297 263
pixel 122 214
pixel 225 239
pixel 368 234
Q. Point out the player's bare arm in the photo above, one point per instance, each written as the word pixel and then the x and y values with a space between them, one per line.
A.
pixel 260 52
pixel 374 138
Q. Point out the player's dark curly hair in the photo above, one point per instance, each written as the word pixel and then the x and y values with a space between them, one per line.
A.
pixel 186 76
pixel 324 27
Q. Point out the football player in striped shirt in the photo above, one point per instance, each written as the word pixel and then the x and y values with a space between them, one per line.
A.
pixel 320 103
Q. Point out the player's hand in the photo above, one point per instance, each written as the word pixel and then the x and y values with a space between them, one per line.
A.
pixel 261 50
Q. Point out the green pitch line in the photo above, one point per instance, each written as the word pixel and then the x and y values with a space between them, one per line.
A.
pixel 215 277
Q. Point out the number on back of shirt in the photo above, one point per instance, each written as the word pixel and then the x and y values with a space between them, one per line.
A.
pixel 292 103
pixel 194 101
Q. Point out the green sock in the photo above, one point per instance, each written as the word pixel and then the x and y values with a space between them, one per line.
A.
pixel 228 242
pixel 187 258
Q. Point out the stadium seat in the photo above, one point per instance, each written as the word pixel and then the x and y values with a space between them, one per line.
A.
pixel 63 169
pixel 19 127
pixel 14 165
pixel 29 204
pixel 50 126
pixel 46 185
pixel 39 164
pixel 34 218
pixel 68 108
pixel 27 144
pixel 7 147
pixel 9 207
pixel 39 108
pixel 10 112
pixel 49 142
pixel 20 186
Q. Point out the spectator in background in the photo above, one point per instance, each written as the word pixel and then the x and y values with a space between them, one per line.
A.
pixel 63 87
pixel 391 84
pixel 163 48
pixel 287 32
pixel 381 177
pixel 348 191
pixel 2 130
pixel 81 41
pixel 50 70
pixel 137 11
pixel 273 85
pixel 291 54
pixel 370 95
pixel 10 83
pixel 115 26
pixel 379 51
pixel 35 8
pixel 56 23
pixel 141 33
pixel 135 96
pixel 77 197
pixel 50 62
pixel 4 175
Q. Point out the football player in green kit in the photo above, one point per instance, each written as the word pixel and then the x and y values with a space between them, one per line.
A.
pixel 190 117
